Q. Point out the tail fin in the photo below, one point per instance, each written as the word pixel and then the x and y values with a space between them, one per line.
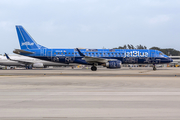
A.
pixel 25 40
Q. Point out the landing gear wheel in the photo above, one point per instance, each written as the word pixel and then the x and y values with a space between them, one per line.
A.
pixel 93 68
pixel 154 68
pixel 28 66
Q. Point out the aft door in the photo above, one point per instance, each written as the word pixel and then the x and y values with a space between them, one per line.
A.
pixel 49 54
pixel 43 52
pixel 154 58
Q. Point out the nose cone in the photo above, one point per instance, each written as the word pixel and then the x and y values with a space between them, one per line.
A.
pixel 171 60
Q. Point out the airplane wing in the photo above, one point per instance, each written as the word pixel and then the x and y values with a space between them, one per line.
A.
pixel 94 59
pixel 23 62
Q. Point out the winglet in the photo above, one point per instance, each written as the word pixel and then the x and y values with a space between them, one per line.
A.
pixel 7 57
pixel 80 53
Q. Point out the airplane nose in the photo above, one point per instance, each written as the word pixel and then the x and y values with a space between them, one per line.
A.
pixel 171 60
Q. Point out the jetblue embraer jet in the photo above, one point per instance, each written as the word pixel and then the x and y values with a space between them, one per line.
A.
pixel 110 58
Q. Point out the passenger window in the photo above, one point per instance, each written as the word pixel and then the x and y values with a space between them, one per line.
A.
pixel 119 53
pixel 58 52
pixel 54 53
pixel 61 53
pixel 112 53
pixel 69 53
pixel 65 53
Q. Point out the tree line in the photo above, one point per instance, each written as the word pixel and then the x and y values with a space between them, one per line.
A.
pixel 167 51
pixel 129 46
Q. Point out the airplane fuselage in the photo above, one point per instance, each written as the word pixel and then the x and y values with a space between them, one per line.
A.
pixel 126 56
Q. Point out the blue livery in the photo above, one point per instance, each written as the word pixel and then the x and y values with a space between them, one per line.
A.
pixel 110 58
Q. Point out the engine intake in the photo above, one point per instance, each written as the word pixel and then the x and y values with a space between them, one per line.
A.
pixel 113 64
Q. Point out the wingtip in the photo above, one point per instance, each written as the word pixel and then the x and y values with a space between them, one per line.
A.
pixel 7 56
pixel 80 53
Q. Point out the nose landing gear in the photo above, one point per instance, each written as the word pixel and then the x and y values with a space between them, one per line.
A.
pixel 154 67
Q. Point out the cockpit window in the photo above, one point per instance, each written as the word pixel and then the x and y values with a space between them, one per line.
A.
pixel 161 54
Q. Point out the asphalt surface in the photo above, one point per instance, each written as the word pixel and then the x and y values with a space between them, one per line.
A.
pixel 81 94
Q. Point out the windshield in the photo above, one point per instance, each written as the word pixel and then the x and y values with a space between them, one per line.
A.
pixel 161 53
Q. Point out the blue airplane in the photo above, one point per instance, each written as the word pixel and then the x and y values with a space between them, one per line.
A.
pixel 110 58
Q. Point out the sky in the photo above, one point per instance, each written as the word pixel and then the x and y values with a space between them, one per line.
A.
pixel 91 23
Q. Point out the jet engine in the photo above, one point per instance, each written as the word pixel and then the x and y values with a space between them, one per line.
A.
pixel 38 65
pixel 113 64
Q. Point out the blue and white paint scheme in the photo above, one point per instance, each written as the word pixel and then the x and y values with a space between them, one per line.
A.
pixel 110 58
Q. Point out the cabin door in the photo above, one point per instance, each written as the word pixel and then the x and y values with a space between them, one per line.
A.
pixel 43 52
pixel 153 60
pixel 49 53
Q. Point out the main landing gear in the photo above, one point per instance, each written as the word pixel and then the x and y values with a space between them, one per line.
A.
pixel 28 66
pixel 154 67
pixel 93 68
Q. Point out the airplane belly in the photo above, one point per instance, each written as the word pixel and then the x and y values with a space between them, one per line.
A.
pixel 53 64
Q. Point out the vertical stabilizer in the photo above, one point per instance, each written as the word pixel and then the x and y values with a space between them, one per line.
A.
pixel 25 40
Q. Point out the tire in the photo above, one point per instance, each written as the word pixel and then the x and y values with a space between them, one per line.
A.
pixel 93 68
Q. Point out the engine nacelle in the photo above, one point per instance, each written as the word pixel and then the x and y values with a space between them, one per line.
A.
pixel 113 64
pixel 38 65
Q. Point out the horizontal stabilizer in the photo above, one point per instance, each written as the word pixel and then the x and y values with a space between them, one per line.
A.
pixel 18 51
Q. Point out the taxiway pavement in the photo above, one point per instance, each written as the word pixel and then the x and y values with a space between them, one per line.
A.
pixel 81 94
